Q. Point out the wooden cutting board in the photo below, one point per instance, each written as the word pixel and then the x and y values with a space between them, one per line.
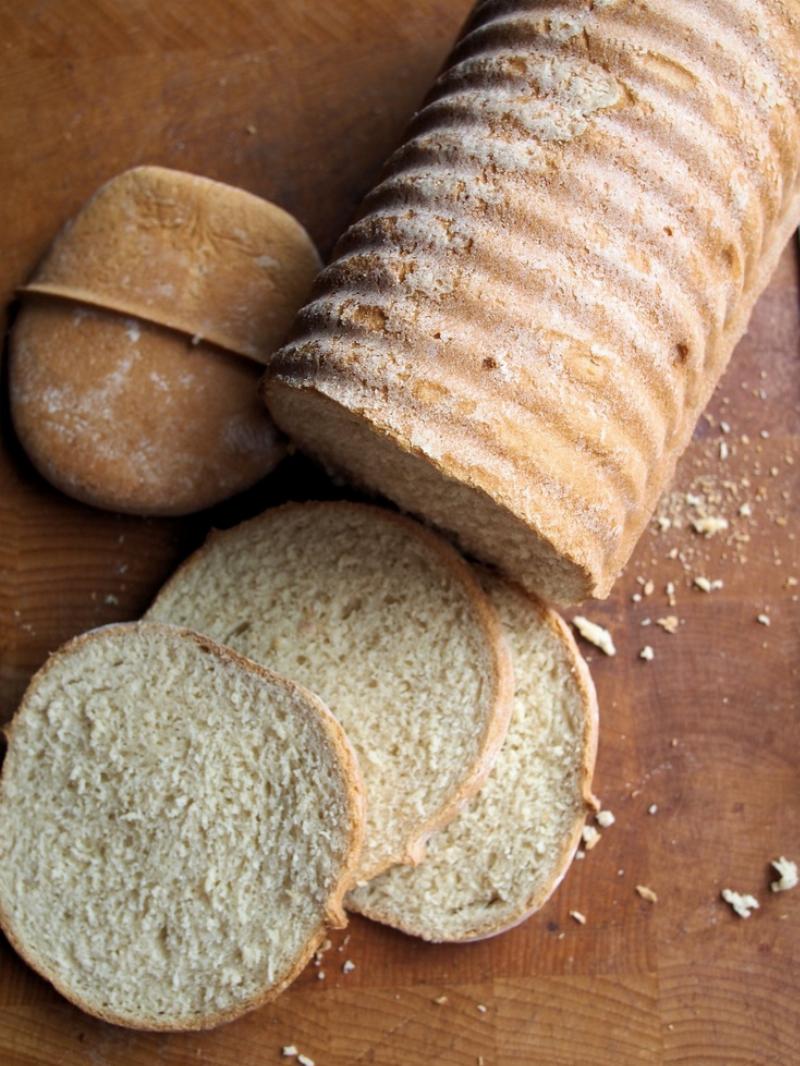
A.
pixel 300 101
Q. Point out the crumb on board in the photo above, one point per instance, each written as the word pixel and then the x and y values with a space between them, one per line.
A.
pixel 787 874
pixel 653 808
pixel 647 893
pixel 763 619
pixel 578 916
pixel 595 634
pixel 289 1051
pixel 440 1001
pixel 348 966
pixel 590 837
pixel 709 525
pixel 647 653
pixel 742 904
pixel 669 623
pixel 605 819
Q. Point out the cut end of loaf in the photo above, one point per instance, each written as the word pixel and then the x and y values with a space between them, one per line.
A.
pixel 482 526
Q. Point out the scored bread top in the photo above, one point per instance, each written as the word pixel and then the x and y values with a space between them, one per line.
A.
pixel 388 623
pixel 177 826
pixel 508 849
pixel 208 259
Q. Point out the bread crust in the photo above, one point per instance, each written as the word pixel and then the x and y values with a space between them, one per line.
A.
pixel 412 850
pixel 196 255
pixel 334 916
pixel 541 293
pixel 589 707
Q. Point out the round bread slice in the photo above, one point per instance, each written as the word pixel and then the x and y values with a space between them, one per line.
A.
pixel 503 856
pixel 177 826
pixel 389 624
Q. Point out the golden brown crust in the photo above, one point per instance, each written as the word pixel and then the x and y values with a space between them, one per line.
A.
pixel 183 251
pixel 589 706
pixel 126 415
pixel 335 915
pixel 413 849
pixel 541 293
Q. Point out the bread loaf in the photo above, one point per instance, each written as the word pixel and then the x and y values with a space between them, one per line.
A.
pixel 517 336
pixel 135 356
pixel 389 625
pixel 510 846
pixel 177 826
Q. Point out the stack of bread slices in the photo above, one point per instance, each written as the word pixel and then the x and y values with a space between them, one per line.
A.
pixel 326 707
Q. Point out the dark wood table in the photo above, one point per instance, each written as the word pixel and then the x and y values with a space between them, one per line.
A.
pixel 300 102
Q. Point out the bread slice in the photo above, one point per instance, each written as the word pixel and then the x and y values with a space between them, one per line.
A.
pixel 390 626
pixel 503 856
pixel 177 826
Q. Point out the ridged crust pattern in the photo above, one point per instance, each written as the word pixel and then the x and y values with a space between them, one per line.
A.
pixel 547 283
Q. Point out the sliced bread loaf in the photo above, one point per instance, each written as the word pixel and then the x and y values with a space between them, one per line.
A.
pixel 177 826
pixel 390 626
pixel 503 856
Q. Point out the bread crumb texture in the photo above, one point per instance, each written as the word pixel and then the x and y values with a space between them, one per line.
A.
pixel 173 827
pixel 502 857
pixel 381 619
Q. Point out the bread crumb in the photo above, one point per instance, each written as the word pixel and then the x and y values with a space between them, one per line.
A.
pixel 763 619
pixel 321 975
pixel 250 129
pixel 653 808
pixel 440 1001
pixel 348 966
pixel 111 600
pixel 788 874
pixel 647 653
pixel 289 1051
pixel 578 917
pixel 706 585
pixel 664 523
pixel 590 837
pixel 595 634
pixel 646 622
pixel 482 1008
pixel 647 893
pixel 745 510
pixel 605 819
pixel 669 624
pixel 709 525
pixel 636 597
pixel 649 588
pixel 725 427
pixel 580 854
pixel 742 904
pixel 723 450
pixel 304 1060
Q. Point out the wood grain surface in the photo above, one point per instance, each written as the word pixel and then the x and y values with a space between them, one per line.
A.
pixel 300 102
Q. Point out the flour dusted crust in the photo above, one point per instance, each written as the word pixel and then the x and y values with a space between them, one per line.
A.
pixel 213 261
pixel 135 356
pixel 334 915
pixel 517 336
pixel 130 416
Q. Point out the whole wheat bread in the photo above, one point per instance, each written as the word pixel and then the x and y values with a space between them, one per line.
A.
pixel 503 856
pixel 389 625
pixel 177 826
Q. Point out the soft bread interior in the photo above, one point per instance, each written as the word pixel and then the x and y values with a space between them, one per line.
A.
pixel 388 625
pixel 503 856
pixel 175 828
